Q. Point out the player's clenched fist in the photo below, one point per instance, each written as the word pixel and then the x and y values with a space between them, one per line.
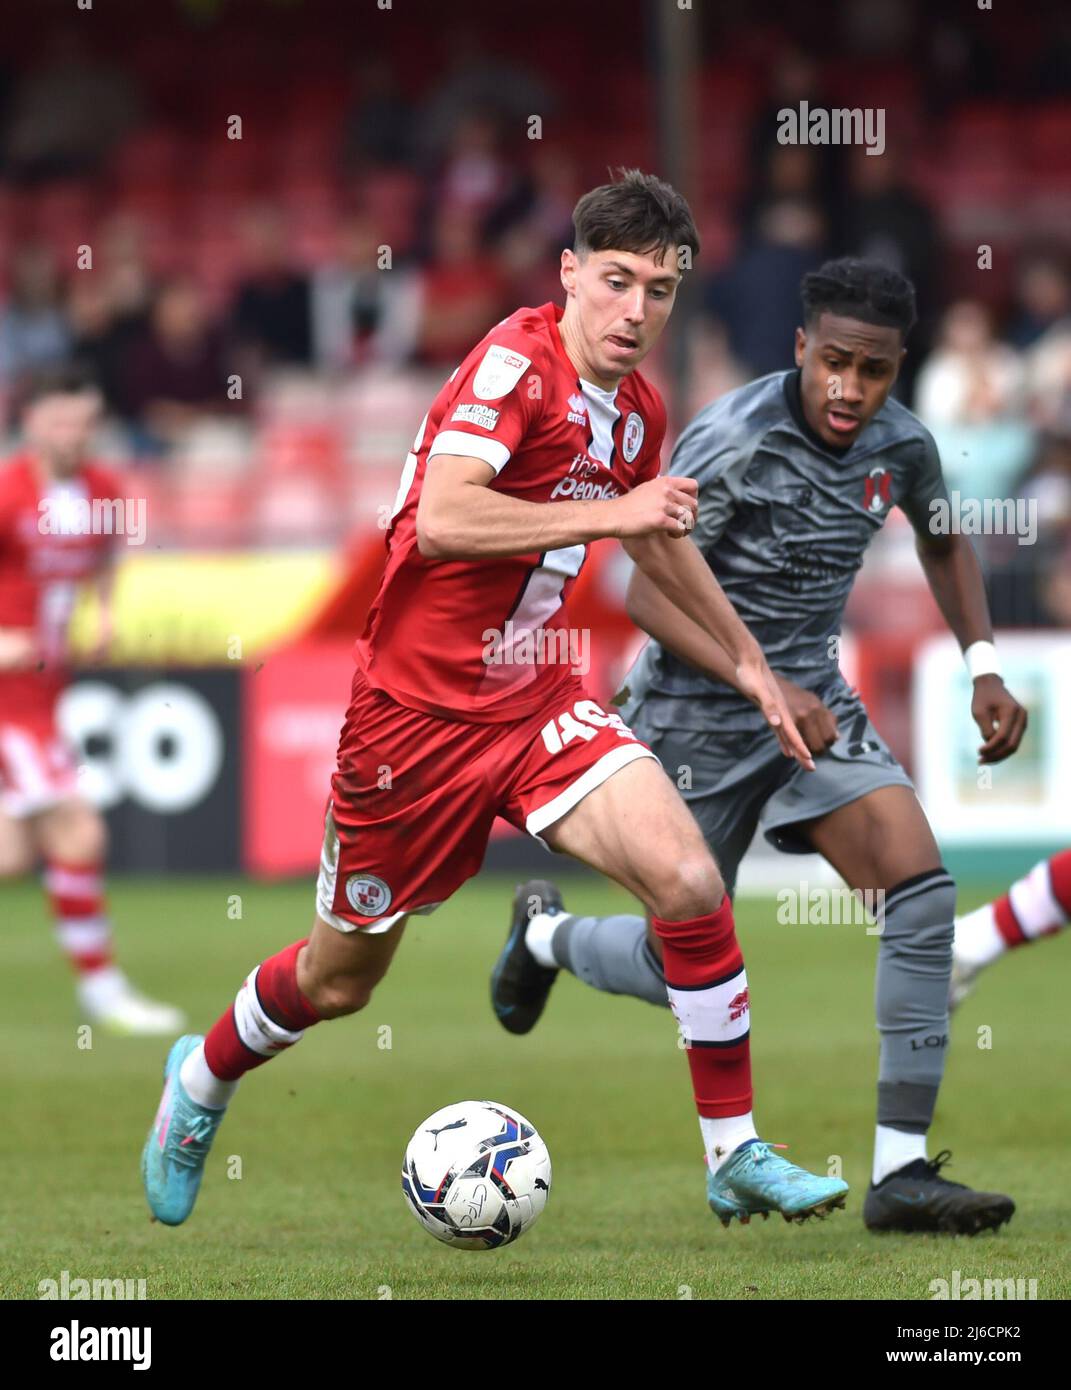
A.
pixel 665 504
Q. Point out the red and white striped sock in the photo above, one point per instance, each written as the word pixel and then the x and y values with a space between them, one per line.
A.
pixel 1038 904
pixel 708 994
pixel 76 897
pixel 268 1016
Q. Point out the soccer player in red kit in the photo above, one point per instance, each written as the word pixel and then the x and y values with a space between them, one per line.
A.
pixel 46 552
pixel 466 703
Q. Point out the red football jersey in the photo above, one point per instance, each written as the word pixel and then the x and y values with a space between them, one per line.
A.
pixel 486 641
pixel 46 551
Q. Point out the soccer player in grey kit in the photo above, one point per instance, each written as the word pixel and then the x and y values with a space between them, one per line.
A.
pixel 797 472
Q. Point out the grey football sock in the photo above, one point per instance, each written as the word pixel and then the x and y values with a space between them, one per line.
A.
pixel 911 998
pixel 611 954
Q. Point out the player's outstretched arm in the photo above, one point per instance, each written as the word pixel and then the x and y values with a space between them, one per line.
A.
pixel 675 597
pixel 460 518
pixel 955 579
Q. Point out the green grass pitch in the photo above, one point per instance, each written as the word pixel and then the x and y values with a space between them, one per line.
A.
pixel 318 1210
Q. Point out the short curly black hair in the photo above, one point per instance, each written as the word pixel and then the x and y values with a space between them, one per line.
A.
pixel 858 289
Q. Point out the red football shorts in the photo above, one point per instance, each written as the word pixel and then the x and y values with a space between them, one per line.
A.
pixel 414 797
pixel 37 769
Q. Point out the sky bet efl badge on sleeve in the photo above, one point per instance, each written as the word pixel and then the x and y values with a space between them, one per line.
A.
pixel 498 373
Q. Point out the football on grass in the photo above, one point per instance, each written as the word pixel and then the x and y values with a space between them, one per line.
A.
pixel 476 1175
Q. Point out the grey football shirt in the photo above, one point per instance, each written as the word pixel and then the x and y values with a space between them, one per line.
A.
pixel 784 522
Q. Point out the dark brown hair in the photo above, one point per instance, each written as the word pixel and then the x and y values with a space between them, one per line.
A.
pixel 638 213
pixel 58 379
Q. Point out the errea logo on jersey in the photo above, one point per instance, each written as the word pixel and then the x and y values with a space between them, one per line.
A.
pixel 577 410
pixel 498 373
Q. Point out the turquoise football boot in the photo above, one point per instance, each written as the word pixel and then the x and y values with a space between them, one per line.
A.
pixel 756 1181
pixel 173 1159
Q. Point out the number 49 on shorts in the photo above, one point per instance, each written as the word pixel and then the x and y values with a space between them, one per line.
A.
pixel 581 722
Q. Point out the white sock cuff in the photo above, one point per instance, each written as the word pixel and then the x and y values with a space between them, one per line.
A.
pixel 539 933
pixel 81 935
pixel 1034 903
pixel 260 1033
pixel 723 1135
pixel 978 938
pixel 894 1149
pixel 201 1083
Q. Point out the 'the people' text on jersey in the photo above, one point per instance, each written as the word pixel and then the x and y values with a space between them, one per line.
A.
pixel 455 638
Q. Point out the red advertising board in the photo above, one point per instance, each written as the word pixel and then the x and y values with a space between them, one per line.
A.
pixel 293 707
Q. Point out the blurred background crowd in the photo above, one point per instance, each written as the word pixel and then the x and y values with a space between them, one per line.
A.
pixel 269 316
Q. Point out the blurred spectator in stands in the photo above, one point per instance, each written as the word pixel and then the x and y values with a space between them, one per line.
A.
pixel 99 339
pixel 757 297
pixel 124 262
pixel 970 378
pixel 1042 296
pixel 1048 376
pixel 875 29
pixel 1049 480
pixel 365 310
pixel 379 126
pixel 883 219
pixel 68 114
pixel 1031 586
pixel 475 181
pixel 970 392
pixel 463 293
pixel 477 78
pixel 958 60
pixel 1052 74
pixel 271 316
pixel 813 173
pixel 176 371
pixel 108 307
pixel 529 248
pixel 33 330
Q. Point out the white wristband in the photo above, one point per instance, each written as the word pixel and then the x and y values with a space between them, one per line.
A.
pixel 982 660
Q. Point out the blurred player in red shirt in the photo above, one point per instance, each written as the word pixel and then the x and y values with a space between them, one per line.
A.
pixel 46 553
pixel 1036 905
pixel 468 700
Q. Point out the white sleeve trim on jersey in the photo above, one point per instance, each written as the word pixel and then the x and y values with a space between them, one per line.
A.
pixel 490 451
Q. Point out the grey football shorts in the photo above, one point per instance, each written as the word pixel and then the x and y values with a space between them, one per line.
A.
pixel 735 782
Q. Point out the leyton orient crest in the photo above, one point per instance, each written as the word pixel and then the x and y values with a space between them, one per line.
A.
pixel 878 492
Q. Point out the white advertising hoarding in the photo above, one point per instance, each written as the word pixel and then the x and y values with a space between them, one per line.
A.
pixel 1025 799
